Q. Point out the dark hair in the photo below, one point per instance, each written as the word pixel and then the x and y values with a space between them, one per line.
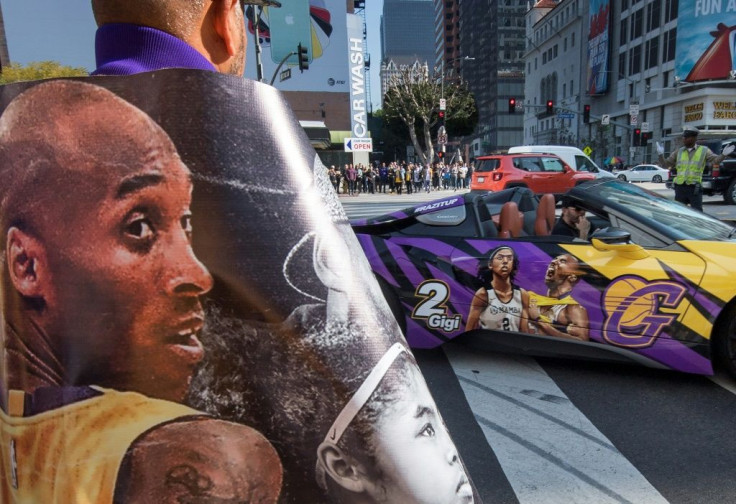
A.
pixel 484 270
pixel 290 381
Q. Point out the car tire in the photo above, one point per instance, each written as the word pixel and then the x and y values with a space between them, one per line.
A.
pixel 724 340
pixel 657 179
pixel 730 195
pixel 622 177
pixel 393 303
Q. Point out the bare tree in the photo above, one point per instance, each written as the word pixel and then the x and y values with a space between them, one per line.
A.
pixel 414 97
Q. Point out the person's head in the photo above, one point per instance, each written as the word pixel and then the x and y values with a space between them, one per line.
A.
pixel 405 453
pixel 215 28
pixel 689 136
pixel 503 262
pixel 96 232
pixel 563 269
pixel 571 211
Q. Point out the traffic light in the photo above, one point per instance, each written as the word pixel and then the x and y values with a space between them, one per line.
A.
pixel 586 114
pixel 303 54
pixel 637 138
pixel 440 154
pixel 512 105
pixel 441 117
pixel 550 106
pixel 645 137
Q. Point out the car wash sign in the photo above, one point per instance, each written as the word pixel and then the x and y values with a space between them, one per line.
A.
pixel 358 97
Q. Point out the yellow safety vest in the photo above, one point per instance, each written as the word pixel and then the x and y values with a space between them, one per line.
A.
pixel 690 168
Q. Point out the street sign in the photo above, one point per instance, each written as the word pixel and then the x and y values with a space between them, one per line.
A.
pixel 634 109
pixel 605 119
pixel 633 119
pixel 565 115
pixel 588 151
pixel 358 145
pixel 645 126
pixel 442 139
pixel 443 103
pixel 286 74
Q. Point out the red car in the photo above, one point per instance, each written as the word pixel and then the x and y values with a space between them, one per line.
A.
pixel 542 173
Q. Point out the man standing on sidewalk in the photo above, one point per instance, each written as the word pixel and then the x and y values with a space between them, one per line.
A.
pixel 689 162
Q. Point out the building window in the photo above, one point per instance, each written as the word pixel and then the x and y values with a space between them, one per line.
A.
pixel 572 39
pixel 652 53
pixel 670 10
pixel 572 89
pixel 624 5
pixel 564 90
pixel 564 45
pixel 635 60
pixel 621 64
pixel 622 35
pixel 544 58
pixel 554 51
pixel 668 39
pixel 637 24
pixel 653 15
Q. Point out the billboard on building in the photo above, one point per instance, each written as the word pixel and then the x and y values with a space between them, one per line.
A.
pixel 328 69
pixel 706 46
pixel 599 20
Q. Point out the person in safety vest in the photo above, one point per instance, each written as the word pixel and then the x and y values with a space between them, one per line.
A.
pixel 689 162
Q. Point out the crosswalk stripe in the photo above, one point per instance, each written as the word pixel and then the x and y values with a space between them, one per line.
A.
pixel 549 451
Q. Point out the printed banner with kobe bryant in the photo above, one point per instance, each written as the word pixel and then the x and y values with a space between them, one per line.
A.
pixel 178 318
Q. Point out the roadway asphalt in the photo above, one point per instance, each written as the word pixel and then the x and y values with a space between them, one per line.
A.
pixel 712 205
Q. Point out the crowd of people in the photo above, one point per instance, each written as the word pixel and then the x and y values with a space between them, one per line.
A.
pixel 399 178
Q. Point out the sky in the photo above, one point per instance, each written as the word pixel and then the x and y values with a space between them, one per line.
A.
pixel 64 31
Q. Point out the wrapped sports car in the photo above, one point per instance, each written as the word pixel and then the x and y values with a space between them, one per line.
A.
pixel 656 283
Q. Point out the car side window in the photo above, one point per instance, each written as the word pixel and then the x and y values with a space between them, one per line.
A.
pixel 584 164
pixel 527 164
pixel 487 165
pixel 552 165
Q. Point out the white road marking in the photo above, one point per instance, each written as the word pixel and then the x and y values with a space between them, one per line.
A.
pixel 549 451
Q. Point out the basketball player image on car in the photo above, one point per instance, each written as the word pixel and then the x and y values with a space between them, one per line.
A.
pixel 498 304
pixel 558 313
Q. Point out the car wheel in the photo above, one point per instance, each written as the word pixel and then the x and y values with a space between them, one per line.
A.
pixel 393 303
pixel 657 179
pixel 730 195
pixel 725 340
pixel 622 177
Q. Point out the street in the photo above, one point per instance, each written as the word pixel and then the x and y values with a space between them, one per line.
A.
pixel 546 430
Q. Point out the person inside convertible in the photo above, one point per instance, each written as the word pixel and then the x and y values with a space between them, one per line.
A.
pixel 572 222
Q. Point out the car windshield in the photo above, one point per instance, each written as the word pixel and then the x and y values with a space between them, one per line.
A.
pixel 684 222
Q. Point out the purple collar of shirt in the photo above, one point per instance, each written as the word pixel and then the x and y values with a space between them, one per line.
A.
pixel 125 49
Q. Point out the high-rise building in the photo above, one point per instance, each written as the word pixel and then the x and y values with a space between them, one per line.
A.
pixel 555 72
pixel 492 38
pixel 407 33
pixel 447 36
pixel 651 66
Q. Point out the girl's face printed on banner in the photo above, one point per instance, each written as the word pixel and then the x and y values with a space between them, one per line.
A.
pixel 418 460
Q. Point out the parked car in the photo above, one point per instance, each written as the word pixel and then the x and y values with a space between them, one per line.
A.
pixel 539 172
pixel 573 156
pixel 644 173
pixel 655 285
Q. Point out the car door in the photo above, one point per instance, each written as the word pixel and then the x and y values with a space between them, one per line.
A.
pixel 559 179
